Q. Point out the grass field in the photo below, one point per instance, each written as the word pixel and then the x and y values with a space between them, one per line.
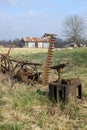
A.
pixel 23 108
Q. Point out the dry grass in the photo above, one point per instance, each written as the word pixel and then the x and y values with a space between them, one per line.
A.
pixel 23 50
pixel 23 108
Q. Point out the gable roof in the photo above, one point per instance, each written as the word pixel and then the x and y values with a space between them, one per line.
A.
pixel 35 39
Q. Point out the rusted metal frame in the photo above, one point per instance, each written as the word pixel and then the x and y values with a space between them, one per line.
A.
pixel 26 62
pixel 7 65
pixel 23 63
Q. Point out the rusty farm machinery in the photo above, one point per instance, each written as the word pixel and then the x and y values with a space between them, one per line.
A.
pixel 60 88
pixel 27 72
pixel 20 70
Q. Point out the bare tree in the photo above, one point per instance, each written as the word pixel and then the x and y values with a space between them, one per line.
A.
pixel 74 27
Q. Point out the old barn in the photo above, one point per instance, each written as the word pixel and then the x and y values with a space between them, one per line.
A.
pixel 34 42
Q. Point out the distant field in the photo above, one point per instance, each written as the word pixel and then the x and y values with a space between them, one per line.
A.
pixel 23 50
pixel 23 108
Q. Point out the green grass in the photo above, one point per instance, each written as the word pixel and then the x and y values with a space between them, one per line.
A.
pixel 23 108
pixel 8 126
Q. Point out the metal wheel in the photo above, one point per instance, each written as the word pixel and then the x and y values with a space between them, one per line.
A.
pixel 6 64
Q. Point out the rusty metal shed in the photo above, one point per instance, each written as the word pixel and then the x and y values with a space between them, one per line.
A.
pixel 34 42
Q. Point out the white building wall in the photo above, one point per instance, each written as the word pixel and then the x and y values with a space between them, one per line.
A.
pixel 46 45
pixel 31 45
pixel 40 44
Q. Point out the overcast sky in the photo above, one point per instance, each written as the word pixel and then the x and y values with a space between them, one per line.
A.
pixel 20 18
